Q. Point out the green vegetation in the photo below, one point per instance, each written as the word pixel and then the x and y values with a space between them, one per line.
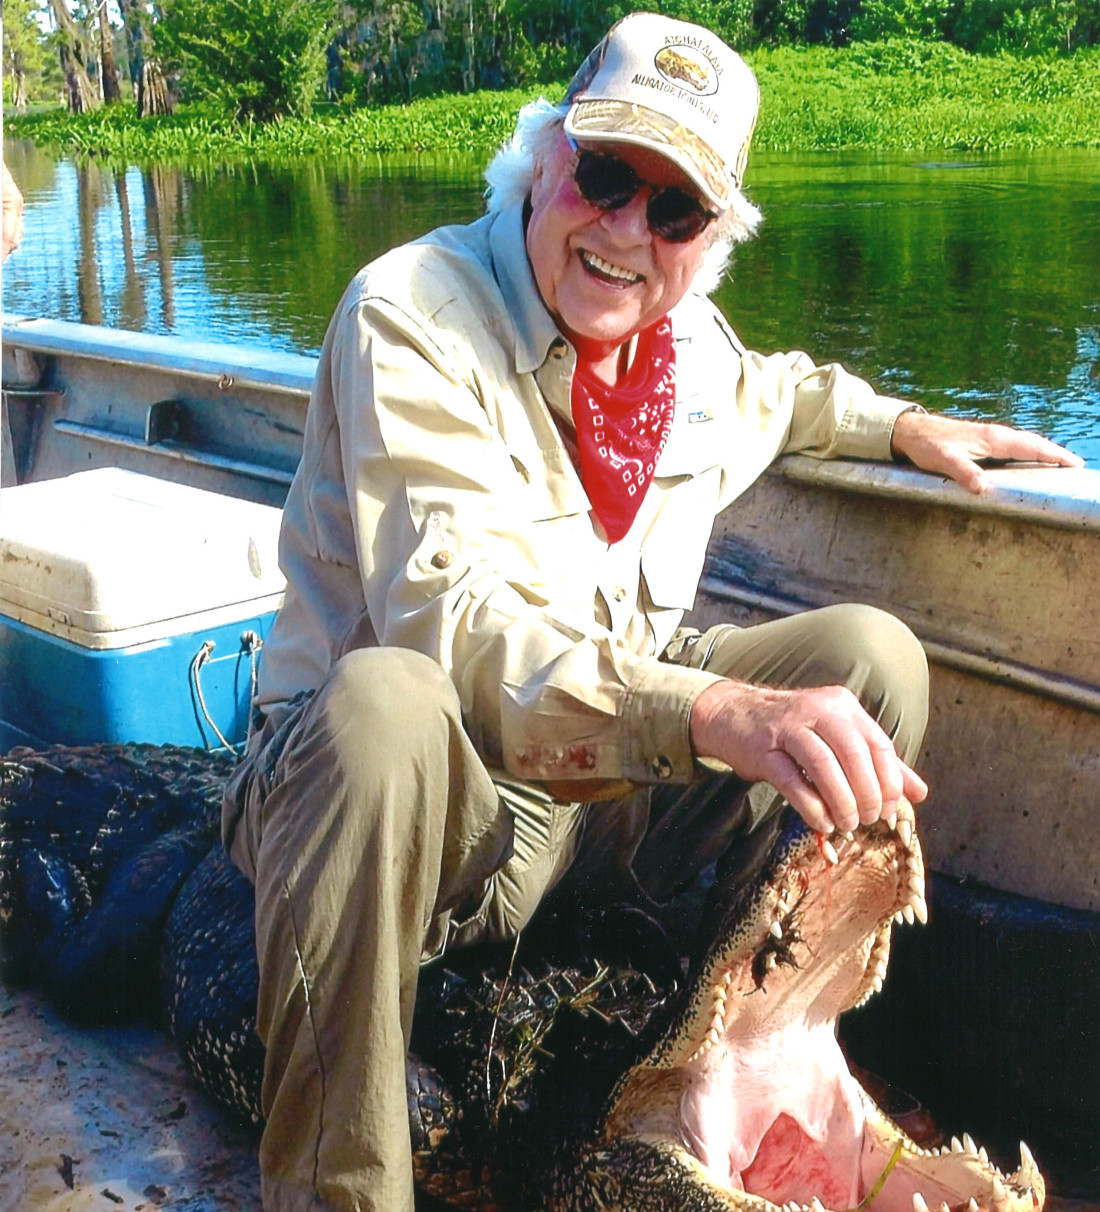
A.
pixel 912 94
pixel 270 79
pixel 451 122
pixel 256 58
pixel 265 58
pixel 31 71
pixel 892 95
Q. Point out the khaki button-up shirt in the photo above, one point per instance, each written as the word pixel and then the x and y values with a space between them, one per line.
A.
pixel 436 506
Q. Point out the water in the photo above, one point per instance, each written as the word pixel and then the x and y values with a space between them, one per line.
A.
pixel 969 283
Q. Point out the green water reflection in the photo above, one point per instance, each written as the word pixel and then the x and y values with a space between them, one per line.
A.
pixel 971 283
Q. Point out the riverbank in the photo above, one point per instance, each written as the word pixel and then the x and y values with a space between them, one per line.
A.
pixel 871 96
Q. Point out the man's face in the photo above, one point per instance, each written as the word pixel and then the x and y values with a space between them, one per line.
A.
pixel 603 274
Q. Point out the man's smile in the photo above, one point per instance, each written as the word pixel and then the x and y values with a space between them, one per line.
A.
pixel 608 272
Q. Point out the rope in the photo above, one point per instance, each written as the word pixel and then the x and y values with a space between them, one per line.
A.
pixel 250 643
pixel 198 661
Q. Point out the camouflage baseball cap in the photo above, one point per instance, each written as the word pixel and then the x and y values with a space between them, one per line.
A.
pixel 675 88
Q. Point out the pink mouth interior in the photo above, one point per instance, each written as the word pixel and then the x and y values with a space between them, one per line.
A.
pixel 772 1108
pixel 759 1091
pixel 780 1116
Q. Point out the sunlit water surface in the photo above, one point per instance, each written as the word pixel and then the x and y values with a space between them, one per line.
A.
pixel 969 283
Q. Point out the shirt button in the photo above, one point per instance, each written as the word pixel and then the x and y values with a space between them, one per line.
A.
pixel 442 559
pixel 661 767
pixel 619 593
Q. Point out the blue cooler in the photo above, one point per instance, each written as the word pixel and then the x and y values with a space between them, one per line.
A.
pixel 131 609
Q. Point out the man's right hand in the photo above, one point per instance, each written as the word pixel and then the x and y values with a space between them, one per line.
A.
pixel 817 747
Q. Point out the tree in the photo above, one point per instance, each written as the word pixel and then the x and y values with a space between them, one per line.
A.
pixel 26 56
pixel 153 96
pixel 987 26
pixel 881 19
pixel 108 72
pixel 75 55
pixel 262 58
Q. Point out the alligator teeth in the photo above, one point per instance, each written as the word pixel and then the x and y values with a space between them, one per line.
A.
pixel 909 913
pixel 891 820
pixel 919 1204
pixel 770 961
pixel 956 1145
pixel 944 1207
pixel 916 884
pixel 983 1156
pixel 775 930
pixel 828 850
pixel 968 1144
pixel 973 1205
pixel 905 832
pixel 1028 1171
pixel 816 1205
pixel 920 910
pixel 999 1192
pixel 848 836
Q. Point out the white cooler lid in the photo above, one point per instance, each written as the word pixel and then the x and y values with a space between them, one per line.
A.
pixel 109 558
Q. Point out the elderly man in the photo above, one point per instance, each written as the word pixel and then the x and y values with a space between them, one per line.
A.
pixel 478 689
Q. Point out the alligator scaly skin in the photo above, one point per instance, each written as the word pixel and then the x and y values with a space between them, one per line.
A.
pixel 541 1077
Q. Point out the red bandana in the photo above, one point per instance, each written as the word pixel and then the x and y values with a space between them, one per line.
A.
pixel 622 430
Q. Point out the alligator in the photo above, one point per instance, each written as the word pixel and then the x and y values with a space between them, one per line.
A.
pixel 549 1073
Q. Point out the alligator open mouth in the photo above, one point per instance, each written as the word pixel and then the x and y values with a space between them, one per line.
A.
pixel 747 1102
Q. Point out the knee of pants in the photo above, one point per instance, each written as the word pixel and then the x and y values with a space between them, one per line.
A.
pixel 378 730
pixel 387 702
pixel 866 649
pixel 880 659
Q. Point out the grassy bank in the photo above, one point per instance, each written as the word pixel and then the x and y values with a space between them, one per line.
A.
pixel 891 96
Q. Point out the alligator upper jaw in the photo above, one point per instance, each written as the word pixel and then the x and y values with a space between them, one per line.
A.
pixel 749 1088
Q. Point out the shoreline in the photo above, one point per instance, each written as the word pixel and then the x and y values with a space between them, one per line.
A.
pixel 891 96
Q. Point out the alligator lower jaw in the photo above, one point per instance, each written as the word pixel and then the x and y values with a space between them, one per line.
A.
pixel 749 1095
pixel 959 1177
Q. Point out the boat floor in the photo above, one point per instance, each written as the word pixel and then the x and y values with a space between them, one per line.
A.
pixel 107 1120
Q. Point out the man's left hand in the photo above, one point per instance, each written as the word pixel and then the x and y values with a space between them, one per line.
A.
pixel 13 214
pixel 952 446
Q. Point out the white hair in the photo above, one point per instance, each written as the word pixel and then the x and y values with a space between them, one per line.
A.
pixel 511 173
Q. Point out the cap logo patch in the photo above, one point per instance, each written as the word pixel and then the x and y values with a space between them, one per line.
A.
pixel 681 63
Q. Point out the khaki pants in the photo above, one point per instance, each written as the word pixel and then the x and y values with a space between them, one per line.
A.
pixel 375 837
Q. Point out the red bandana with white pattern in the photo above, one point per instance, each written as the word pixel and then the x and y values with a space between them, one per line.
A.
pixel 621 430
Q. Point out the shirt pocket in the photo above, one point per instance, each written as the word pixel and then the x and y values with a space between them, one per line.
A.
pixel 676 548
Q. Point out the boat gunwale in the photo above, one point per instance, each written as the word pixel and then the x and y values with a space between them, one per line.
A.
pixel 229 366
pixel 1062 497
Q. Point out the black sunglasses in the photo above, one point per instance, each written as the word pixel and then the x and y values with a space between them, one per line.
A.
pixel 672 213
